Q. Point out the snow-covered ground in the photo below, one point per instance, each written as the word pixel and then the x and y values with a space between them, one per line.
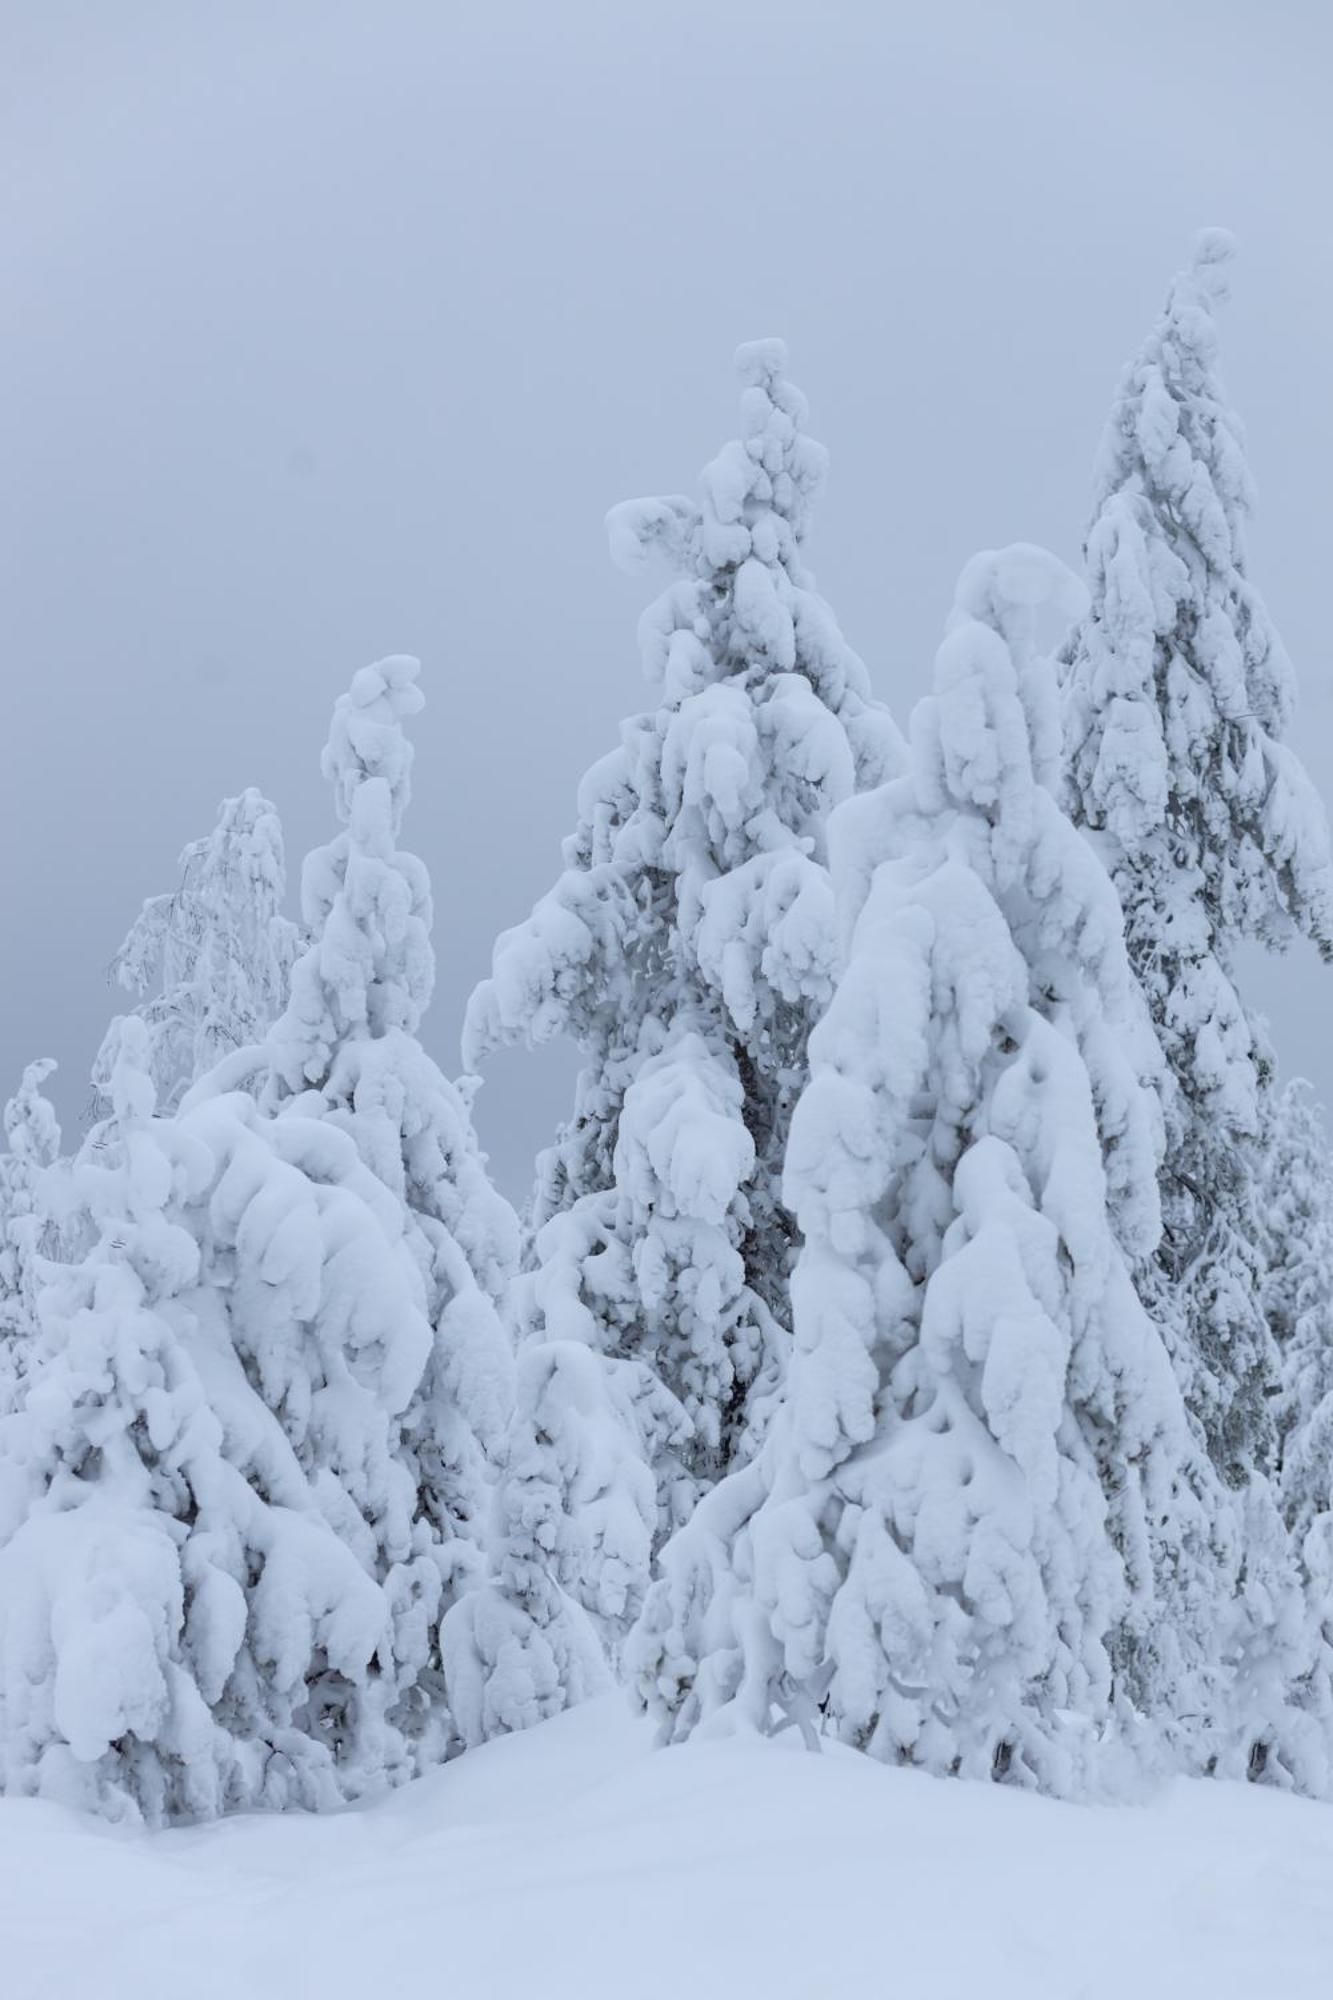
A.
pixel 576 1861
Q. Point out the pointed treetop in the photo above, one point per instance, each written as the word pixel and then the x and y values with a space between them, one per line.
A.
pixel 1008 592
pixel 758 491
pixel 1198 290
pixel 773 469
pixel 129 1084
pixel 29 1121
pixel 1005 588
pixel 1214 251
pixel 369 968
pixel 209 962
pixel 368 751
pixel 762 361
pixel 1172 435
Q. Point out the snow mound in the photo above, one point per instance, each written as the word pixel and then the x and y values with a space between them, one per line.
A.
pixel 575 1863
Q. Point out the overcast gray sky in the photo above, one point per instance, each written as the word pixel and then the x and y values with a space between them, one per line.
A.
pixel 333 330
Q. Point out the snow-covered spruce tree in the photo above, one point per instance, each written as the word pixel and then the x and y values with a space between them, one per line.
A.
pixel 32 1144
pixel 956 1537
pixel 345 1052
pixel 687 949
pixel 1297 1206
pixel 215 1589
pixel 575 1511
pixel 1297 1203
pixel 577 1508
pixel 210 962
pixel 1177 696
pixel 251 1470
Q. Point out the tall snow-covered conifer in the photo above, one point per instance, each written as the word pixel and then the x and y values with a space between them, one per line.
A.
pixel 1177 698
pixel 687 949
pixel 950 1539
pixel 346 1051
pixel 251 1467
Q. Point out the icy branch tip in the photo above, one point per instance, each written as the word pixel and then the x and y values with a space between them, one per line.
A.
pixel 636 529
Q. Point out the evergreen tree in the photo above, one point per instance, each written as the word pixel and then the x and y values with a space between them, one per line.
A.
pixel 1177 697
pixel 1298 1213
pixel 32 1145
pixel 688 948
pixel 346 1050
pixel 576 1511
pixel 1297 1204
pixel 251 1469
pixel 973 1511
pixel 211 961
